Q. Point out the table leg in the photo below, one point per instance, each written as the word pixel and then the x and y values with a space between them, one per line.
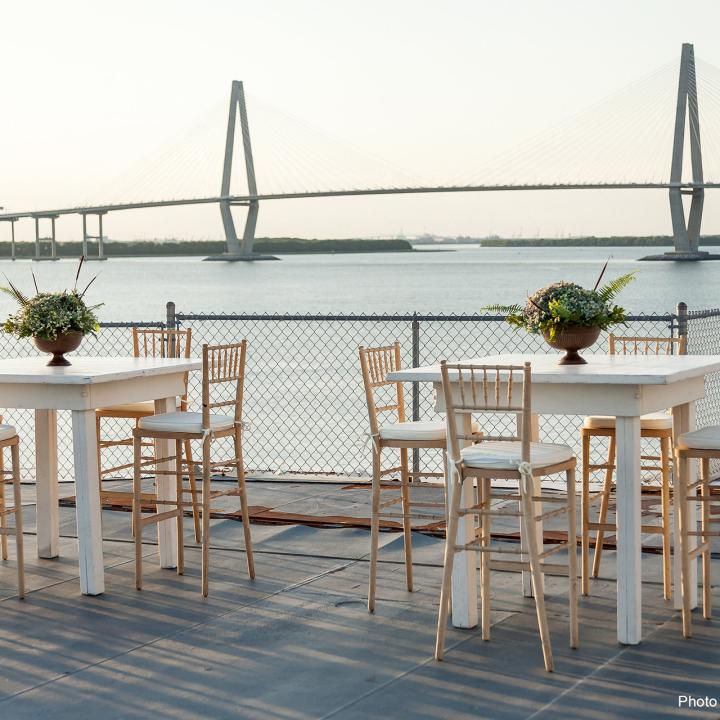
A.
pixel 46 484
pixel 684 421
pixel 538 526
pixel 166 488
pixel 464 578
pixel 629 548
pixel 87 498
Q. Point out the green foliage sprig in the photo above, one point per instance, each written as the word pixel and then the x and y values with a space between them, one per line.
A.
pixel 561 305
pixel 48 315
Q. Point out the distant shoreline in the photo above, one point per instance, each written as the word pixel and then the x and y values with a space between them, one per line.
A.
pixel 590 241
pixel 203 248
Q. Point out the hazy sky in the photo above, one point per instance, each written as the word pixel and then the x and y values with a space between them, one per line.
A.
pixel 106 98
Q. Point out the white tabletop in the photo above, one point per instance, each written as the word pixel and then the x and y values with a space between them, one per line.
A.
pixel 87 370
pixel 599 370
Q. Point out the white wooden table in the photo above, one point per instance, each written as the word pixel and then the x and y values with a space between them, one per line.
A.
pixel 87 384
pixel 624 386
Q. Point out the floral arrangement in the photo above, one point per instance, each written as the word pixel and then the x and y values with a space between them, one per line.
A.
pixel 48 315
pixel 562 305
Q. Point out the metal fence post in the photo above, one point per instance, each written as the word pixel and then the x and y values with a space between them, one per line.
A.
pixel 682 321
pixel 170 321
pixel 415 388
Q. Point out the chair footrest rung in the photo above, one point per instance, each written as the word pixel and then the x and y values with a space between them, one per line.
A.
pixel 8 531
pixel 7 511
pixel 491 513
pixel 517 565
pixel 602 526
pixel 552 513
pixel 388 503
pixel 158 517
pixel 411 516
pixel 477 547
pixel 390 470
pixel 703 547
pixel 555 548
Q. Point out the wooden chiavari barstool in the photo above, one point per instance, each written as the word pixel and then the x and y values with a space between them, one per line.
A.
pixel 385 397
pixel 149 343
pixel 9 439
pixel 469 389
pixel 657 426
pixel 703 444
pixel 223 365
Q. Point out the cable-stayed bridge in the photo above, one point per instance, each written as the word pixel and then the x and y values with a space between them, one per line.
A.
pixel 561 151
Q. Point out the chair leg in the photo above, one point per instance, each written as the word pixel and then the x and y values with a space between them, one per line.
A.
pixel 585 511
pixel 528 525
pixel 180 507
pixel 450 534
pixel 136 510
pixel 486 539
pixel 99 449
pixel 240 470
pixel 3 520
pixel 193 489
pixel 572 559
pixel 665 450
pixel 206 517
pixel 374 528
pixel 681 509
pixel 407 523
pixel 706 527
pixel 604 503
pixel 17 499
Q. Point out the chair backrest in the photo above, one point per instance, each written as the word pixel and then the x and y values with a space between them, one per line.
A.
pixel 470 388
pixel 375 364
pixel 625 345
pixel 161 343
pixel 223 365
pixel 164 343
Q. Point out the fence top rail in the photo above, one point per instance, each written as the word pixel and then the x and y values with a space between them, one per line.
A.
pixel 308 317
pixel 132 324
pixel 700 314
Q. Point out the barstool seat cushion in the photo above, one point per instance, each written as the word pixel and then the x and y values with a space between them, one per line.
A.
pixel 651 421
pixel 413 430
pixel 147 407
pixel 507 454
pixel 184 422
pixel 707 438
pixel 7 432
pixel 420 430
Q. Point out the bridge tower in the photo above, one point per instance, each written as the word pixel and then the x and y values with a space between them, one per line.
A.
pixel 686 235
pixel 236 251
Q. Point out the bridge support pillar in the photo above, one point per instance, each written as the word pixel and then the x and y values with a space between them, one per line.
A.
pixel 39 240
pixel 12 222
pixel 686 236
pixel 99 237
pixel 234 250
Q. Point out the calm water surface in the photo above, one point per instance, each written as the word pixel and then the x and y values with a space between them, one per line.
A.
pixel 457 281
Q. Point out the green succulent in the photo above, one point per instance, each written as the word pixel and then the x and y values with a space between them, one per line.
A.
pixel 49 315
pixel 561 305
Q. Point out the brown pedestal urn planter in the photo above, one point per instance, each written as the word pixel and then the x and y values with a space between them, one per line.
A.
pixel 572 339
pixel 62 344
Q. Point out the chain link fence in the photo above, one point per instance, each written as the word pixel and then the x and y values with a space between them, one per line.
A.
pixel 304 400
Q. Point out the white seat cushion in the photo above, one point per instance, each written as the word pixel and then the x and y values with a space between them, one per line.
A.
pixel 136 407
pixel 506 455
pixel 184 422
pixel 651 421
pixel 707 438
pixel 7 432
pixel 419 430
